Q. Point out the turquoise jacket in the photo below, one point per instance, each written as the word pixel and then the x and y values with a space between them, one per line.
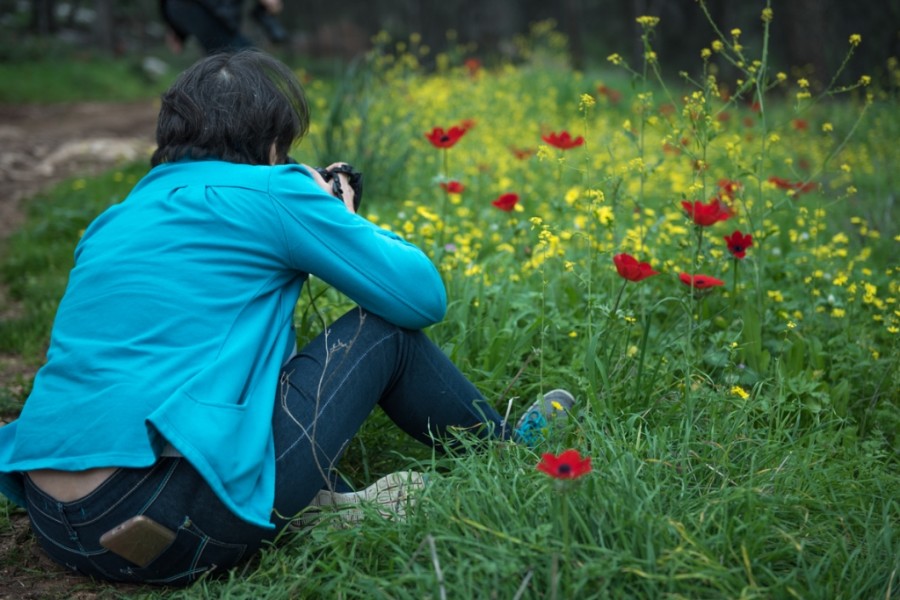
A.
pixel 179 314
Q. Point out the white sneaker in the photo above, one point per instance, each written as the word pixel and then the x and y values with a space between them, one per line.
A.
pixel 391 496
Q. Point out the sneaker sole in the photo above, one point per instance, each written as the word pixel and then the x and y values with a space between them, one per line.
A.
pixel 391 496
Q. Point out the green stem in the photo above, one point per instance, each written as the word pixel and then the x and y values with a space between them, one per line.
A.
pixel 611 316
pixel 695 314
pixel 566 535
pixel 618 299
pixel 734 284
pixel 441 239
pixel 640 371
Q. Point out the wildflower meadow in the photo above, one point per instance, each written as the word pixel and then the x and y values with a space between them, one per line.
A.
pixel 707 260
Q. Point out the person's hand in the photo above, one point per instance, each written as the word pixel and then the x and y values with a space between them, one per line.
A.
pixel 346 190
pixel 273 7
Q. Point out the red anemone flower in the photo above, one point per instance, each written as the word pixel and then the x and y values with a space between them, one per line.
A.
pixel 738 243
pixel 611 94
pixel 562 140
pixel 522 153
pixel 445 139
pixel 452 187
pixel 705 215
pixel 506 202
pixel 568 465
pixel 799 187
pixel 632 270
pixel 729 188
pixel 700 282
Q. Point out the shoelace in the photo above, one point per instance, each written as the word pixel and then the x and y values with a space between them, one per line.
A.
pixel 531 427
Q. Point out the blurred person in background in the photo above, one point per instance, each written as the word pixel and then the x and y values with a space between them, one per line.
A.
pixel 217 24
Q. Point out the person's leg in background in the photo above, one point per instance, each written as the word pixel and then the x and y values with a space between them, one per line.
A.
pixel 189 17
pixel 329 389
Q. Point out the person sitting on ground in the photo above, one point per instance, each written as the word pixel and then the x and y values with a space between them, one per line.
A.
pixel 175 428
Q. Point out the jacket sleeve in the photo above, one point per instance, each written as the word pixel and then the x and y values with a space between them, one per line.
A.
pixel 375 268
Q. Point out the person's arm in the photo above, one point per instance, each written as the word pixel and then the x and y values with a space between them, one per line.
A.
pixel 375 268
pixel 175 35
pixel 273 7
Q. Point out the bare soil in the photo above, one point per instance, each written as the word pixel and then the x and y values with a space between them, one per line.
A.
pixel 39 147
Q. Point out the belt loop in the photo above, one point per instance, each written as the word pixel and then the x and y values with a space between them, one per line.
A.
pixel 73 535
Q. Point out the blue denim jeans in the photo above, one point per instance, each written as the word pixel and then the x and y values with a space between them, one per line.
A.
pixel 325 394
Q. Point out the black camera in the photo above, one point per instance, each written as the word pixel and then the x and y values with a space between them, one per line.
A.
pixel 353 176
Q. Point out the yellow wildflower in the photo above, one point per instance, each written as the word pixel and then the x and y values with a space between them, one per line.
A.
pixel 544 152
pixel 766 15
pixel 595 194
pixel 605 215
pixel 586 102
pixel 615 59
pixel 717 46
pixel 827 127
pixel 647 21
pixel 855 39
pixel 865 80
pixel 740 392
pixel 735 33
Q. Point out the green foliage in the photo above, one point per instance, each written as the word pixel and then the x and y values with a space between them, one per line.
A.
pixel 715 509
pixel 46 81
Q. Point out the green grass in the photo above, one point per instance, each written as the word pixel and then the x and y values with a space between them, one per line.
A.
pixel 676 510
pixel 73 80
pixel 745 444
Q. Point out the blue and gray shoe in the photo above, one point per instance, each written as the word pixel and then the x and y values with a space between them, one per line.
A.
pixel 546 412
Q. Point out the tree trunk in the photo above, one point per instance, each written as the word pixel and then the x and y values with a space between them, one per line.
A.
pixel 43 20
pixel 104 25
pixel 807 36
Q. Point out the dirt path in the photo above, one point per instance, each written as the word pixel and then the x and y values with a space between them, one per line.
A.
pixel 41 146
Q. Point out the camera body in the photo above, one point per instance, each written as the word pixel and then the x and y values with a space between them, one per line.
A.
pixel 354 177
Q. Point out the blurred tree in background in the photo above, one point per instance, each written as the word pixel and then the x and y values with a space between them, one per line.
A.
pixel 809 35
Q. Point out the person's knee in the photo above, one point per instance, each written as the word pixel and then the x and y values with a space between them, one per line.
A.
pixel 373 321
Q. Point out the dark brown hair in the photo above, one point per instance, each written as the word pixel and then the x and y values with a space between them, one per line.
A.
pixel 232 107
